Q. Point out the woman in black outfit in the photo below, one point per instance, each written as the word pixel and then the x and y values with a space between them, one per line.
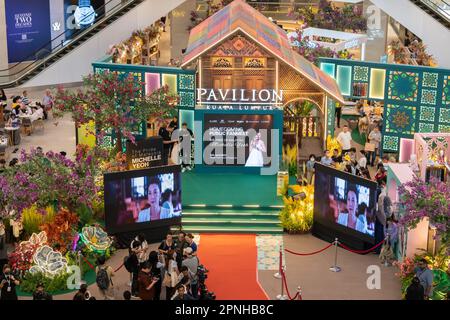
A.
pixel 156 272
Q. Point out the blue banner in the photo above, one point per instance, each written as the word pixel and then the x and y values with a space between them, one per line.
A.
pixel 28 29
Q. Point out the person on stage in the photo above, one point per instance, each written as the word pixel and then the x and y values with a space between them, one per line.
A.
pixel 257 147
pixel 154 210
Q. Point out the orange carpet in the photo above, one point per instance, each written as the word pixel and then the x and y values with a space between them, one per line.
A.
pixel 232 264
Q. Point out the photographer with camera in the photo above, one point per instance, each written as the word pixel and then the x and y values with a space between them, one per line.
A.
pixel 192 263
pixel 8 284
pixel 40 293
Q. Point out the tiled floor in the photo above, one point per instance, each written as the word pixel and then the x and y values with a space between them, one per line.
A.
pixel 268 251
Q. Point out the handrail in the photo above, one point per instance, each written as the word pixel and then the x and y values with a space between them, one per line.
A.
pixel 57 49
pixel 438 7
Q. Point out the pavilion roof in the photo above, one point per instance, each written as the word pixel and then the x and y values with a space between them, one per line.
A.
pixel 239 16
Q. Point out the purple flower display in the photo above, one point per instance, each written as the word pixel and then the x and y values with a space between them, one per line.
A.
pixel 426 200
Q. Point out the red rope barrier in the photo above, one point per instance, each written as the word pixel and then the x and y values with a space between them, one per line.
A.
pixel 283 276
pixel 309 254
pixel 88 263
pixel 361 251
pixel 119 267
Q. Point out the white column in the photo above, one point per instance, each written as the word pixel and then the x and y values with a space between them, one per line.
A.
pixel 363 51
pixel 3 38
pixel 57 23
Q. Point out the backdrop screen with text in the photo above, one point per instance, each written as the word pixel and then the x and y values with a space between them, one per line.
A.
pixel 237 139
pixel 345 202
pixel 135 199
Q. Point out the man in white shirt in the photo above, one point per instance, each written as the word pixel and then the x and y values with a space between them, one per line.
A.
pixel 345 139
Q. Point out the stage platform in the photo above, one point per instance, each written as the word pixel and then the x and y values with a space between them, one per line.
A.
pixel 235 203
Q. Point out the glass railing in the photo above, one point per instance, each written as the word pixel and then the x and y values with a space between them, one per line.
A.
pixel 441 7
pixel 267 7
pixel 12 75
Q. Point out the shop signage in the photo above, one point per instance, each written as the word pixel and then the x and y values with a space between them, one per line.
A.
pixel 27 29
pixel 239 96
pixel 145 153
pixel 84 13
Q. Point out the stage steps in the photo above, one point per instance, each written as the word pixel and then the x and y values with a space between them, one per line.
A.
pixel 217 219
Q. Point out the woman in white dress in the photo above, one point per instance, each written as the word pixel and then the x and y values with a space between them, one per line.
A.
pixel 257 147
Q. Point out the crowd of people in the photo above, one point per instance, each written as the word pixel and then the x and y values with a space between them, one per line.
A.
pixel 172 272
pixel 21 112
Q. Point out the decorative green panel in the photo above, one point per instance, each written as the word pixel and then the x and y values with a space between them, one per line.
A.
pixel 360 73
pixel 444 115
pixel 344 79
pixel 390 143
pixel 400 119
pixel 187 99
pixel 403 85
pixel 186 82
pixel 416 98
pixel 331 108
pixel 427 114
pixel 446 91
pixel 428 96
pixel 426 127
pixel 430 80
pixel 444 128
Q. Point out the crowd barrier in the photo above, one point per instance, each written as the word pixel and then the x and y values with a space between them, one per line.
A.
pixel 281 274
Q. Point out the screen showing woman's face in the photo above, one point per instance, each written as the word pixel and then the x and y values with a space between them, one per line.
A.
pixel 154 194
pixel 352 202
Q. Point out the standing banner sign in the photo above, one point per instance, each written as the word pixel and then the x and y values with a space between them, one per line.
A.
pixel 28 29
pixel 145 153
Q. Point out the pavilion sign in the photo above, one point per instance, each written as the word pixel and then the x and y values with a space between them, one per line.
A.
pixel 239 96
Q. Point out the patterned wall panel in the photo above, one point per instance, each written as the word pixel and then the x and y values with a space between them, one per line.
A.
pixel 416 99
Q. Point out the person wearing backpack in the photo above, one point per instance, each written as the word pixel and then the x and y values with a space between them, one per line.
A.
pixel 131 263
pixel 104 278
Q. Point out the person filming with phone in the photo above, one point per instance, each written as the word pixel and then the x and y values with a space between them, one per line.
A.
pixel 8 284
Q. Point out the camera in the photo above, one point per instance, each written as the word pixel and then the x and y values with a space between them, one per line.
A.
pixel 202 276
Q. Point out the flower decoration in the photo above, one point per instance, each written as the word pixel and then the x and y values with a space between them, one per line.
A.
pixel 95 238
pixel 36 240
pixel 48 261
pixel 21 258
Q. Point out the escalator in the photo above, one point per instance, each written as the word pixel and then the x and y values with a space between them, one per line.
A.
pixel 427 19
pixel 438 9
pixel 71 58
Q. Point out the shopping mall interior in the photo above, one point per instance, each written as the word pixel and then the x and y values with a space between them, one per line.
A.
pixel 224 150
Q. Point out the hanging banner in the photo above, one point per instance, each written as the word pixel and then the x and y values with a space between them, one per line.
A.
pixel 145 153
pixel 28 29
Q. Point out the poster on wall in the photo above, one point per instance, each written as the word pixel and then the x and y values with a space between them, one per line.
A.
pixel 28 29
pixel 85 11
pixel 144 153
pixel 237 139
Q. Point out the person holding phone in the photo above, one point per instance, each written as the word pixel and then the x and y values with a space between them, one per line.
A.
pixel 146 283
pixel 8 284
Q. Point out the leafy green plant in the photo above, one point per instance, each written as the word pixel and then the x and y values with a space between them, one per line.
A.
pixel 85 215
pixel 289 162
pixel 33 218
pixel 51 285
pixel 297 214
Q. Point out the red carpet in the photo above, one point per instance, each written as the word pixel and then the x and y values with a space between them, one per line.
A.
pixel 232 264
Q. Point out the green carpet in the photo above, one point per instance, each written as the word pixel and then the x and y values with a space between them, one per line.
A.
pixel 235 189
